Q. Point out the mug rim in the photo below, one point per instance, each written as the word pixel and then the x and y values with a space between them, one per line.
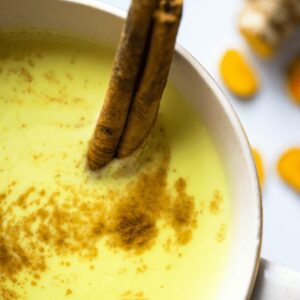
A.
pixel 239 129
pixel 232 118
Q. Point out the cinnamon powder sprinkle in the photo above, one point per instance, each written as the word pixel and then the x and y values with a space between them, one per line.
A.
pixel 221 234
pixel 25 74
pixel 129 295
pixel 69 292
pixel 73 219
pixel 215 203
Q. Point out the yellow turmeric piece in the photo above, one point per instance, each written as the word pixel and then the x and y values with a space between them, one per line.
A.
pixel 238 75
pixel 259 166
pixel 289 168
pixel 265 24
pixel 258 45
pixel 293 80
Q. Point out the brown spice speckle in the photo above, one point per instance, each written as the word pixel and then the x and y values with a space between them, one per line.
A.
pixel 51 77
pixel 221 234
pixel 69 292
pixel 130 295
pixel 215 204
pixel 142 268
pixel 26 76
pixel 183 215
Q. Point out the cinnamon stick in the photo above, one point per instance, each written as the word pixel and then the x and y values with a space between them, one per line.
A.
pixel 140 73
pixel 127 62
pixel 146 101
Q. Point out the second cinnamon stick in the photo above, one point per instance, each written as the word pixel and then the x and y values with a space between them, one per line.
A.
pixel 146 101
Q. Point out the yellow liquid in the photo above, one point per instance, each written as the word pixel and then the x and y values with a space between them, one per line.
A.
pixel 51 93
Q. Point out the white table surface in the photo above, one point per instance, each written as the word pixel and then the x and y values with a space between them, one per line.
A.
pixel 271 121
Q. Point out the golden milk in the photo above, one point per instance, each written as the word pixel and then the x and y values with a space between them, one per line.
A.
pixel 153 226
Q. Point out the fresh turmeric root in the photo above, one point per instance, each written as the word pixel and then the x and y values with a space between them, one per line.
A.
pixel 238 75
pixel 289 168
pixel 266 23
pixel 259 166
pixel 293 80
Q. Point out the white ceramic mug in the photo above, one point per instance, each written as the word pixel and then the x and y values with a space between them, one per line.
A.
pixel 91 18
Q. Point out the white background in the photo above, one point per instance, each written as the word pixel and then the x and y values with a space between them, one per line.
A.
pixel 271 121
